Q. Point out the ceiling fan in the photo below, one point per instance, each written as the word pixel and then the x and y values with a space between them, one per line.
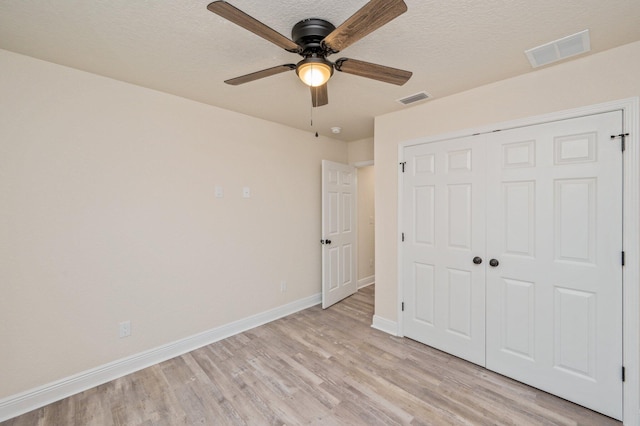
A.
pixel 314 39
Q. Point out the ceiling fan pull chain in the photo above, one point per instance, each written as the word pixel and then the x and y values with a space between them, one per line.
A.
pixel 312 120
pixel 311 114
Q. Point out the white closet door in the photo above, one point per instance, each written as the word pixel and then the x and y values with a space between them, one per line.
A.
pixel 554 223
pixel 443 219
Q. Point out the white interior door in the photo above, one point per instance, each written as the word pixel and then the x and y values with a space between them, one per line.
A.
pixel 444 229
pixel 339 227
pixel 543 214
pixel 554 302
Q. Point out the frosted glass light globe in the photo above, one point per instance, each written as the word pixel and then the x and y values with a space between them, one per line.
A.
pixel 314 74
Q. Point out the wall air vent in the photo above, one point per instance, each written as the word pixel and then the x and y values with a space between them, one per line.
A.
pixel 414 98
pixel 559 49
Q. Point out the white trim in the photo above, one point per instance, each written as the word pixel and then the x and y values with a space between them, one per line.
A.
pixel 35 398
pixel 383 324
pixel 631 271
pixel 366 281
pixel 399 260
pixel 360 164
pixel 631 215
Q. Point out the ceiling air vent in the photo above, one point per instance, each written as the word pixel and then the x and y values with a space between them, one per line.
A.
pixel 414 98
pixel 559 49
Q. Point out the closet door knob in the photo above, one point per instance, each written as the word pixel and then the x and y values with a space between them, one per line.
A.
pixel 477 260
pixel 494 262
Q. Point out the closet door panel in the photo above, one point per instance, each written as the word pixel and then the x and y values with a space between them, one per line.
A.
pixel 554 302
pixel 444 227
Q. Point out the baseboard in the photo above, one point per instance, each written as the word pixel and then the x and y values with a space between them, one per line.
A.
pixel 366 281
pixel 383 324
pixel 24 402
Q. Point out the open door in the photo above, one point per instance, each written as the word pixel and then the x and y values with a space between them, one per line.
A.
pixel 338 232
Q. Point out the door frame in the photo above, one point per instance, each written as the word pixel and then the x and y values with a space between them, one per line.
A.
pixel 359 165
pixel 630 108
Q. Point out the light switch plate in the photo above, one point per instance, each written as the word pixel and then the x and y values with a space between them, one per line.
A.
pixel 246 192
pixel 219 191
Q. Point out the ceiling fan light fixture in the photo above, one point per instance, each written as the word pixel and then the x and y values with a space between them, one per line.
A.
pixel 314 72
pixel 315 39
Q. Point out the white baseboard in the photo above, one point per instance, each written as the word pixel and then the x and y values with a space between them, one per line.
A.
pixel 35 398
pixel 383 324
pixel 366 281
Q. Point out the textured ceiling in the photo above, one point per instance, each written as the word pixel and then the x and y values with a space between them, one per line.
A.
pixel 179 47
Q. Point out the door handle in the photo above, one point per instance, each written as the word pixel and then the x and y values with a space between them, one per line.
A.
pixel 325 241
pixel 494 262
pixel 477 260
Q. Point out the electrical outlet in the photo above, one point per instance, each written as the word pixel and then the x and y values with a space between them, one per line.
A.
pixel 283 286
pixel 125 329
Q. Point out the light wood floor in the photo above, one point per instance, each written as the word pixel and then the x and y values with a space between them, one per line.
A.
pixel 314 367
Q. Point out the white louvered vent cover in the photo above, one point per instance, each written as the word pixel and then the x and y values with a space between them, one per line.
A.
pixel 560 49
pixel 421 96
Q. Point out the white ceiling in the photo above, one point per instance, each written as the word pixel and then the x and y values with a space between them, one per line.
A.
pixel 180 47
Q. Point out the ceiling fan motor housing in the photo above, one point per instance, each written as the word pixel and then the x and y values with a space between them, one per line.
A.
pixel 309 33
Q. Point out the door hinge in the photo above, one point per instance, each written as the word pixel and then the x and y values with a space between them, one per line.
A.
pixel 623 143
pixel 402 306
pixel 623 259
pixel 404 163
pixel 403 236
pixel 623 373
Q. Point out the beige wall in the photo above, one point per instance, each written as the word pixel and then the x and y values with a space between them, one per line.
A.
pixel 360 151
pixel 366 222
pixel 607 76
pixel 108 214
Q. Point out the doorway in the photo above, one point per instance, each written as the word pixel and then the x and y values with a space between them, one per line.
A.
pixel 348 220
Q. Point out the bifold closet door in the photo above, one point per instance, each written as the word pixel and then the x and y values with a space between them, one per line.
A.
pixel 554 224
pixel 528 221
pixel 444 226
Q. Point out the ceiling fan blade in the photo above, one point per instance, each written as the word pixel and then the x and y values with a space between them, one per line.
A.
pixel 238 17
pixel 374 71
pixel 260 74
pixel 369 18
pixel 319 96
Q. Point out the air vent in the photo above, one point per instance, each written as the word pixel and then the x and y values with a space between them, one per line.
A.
pixel 559 49
pixel 414 98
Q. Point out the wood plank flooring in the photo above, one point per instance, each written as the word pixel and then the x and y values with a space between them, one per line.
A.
pixel 314 367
